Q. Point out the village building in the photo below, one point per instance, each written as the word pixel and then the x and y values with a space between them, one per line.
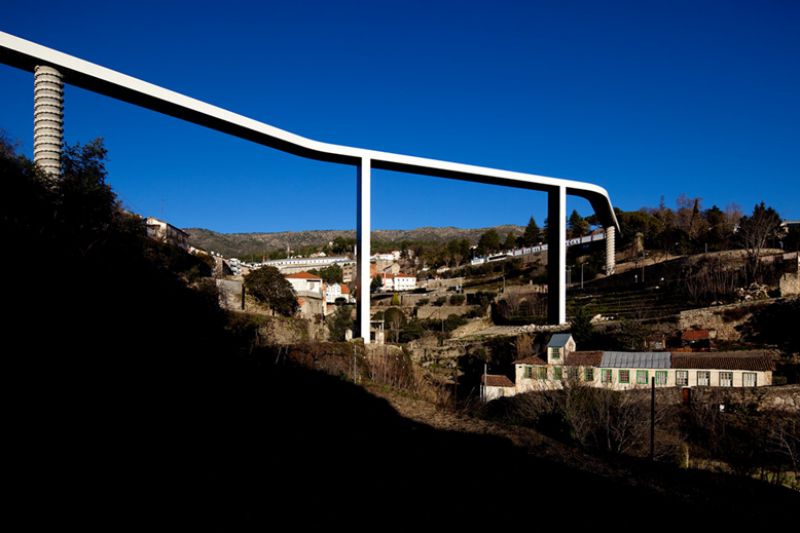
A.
pixel 335 291
pixel 310 293
pixel 311 304
pixel 161 231
pixel 399 282
pixel 698 339
pixel 494 386
pixel 305 282
pixel 630 370
pixel 293 265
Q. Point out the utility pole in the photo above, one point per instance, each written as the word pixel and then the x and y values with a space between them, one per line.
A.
pixel 483 388
pixel 643 256
pixel 355 365
pixel 652 418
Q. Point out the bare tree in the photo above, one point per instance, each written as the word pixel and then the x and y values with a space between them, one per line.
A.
pixel 755 232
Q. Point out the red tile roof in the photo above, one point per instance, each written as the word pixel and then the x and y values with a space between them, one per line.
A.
pixel 583 359
pixel 492 380
pixel 530 361
pixel 691 335
pixel 743 360
pixel 302 275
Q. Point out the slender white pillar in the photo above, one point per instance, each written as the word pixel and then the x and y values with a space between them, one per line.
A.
pixel 611 264
pixel 363 252
pixel 48 119
pixel 556 255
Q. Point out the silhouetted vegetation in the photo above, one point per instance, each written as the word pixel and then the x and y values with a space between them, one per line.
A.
pixel 269 287
pixel 134 399
pixel 340 322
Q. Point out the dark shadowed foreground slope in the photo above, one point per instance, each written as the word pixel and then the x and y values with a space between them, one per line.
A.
pixel 129 403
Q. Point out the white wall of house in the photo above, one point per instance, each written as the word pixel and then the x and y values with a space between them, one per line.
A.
pixel 333 291
pixel 534 382
pixel 557 355
pixel 492 393
pixel 306 285
pixel 399 283
pixel 740 378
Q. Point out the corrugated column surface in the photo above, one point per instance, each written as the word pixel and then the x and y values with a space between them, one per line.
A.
pixel 611 264
pixel 48 119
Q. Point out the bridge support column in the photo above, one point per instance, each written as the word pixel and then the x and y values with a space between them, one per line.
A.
pixel 48 119
pixel 610 250
pixel 556 255
pixel 363 252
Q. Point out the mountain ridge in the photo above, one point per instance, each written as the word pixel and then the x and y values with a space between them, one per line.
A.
pixel 238 244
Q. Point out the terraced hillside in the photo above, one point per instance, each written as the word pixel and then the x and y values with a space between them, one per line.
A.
pixel 646 302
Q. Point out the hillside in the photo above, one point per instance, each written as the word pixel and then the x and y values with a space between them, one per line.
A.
pixel 239 244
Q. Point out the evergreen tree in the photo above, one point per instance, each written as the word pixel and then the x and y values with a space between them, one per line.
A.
pixel 489 242
pixel 578 227
pixel 532 234
pixel 511 241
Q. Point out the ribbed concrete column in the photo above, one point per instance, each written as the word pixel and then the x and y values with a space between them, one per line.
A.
pixel 556 256
pixel 363 252
pixel 611 264
pixel 48 119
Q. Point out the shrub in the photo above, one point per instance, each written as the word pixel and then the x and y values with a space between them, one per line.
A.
pixel 457 299
pixel 269 286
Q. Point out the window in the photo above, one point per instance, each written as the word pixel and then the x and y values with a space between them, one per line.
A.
pixel 661 377
pixel 588 374
pixel 557 373
pixel 682 378
pixel 749 379
pixel 528 372
pixel 555 353
pixel 572 373
pixel 726 379
pixel 703 378
pixel 624 376
pixel 642 377
pixel 541 372
pixel 605 375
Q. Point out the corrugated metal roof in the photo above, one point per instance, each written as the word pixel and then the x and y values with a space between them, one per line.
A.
pixel 559 340
pixel 636 360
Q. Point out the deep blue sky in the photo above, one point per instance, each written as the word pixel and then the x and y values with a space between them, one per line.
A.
pixel 645 98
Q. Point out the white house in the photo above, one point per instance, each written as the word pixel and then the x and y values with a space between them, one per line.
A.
pixel 305 282
pixel 630 370
pixel 337 290
pixel 399 282
pixel 495 386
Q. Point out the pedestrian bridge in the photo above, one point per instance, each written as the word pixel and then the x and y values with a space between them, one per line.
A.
pixel 52 68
